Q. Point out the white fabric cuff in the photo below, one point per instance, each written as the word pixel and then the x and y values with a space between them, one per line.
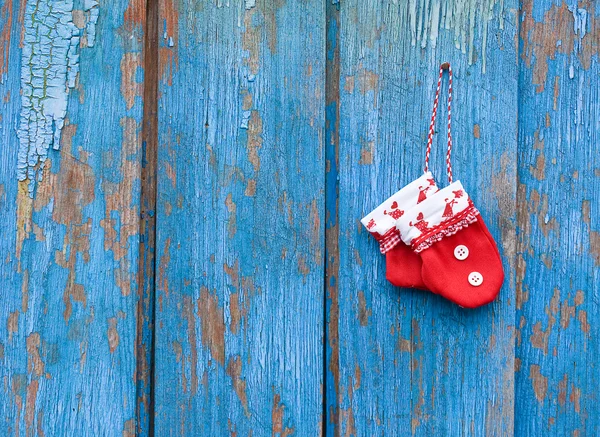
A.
pixel 437 215
pixel 383 218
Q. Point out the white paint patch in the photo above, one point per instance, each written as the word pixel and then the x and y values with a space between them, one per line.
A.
pixel 245 119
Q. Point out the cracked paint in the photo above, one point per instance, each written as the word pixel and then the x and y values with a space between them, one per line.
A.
pixel 35 365
pixel 501 187
pixel 574 394
pixel 538 171
pixel 563 29
pixel 70 191
pixel 254 143
pixel 277 420
pixel 538 206
pixel 465 21
pixel 232 222
pixel 18 389
pixel 239 301
pixel 366 153
pixel 165 259
pixel 363 312
pixel 168 53
pixel 49 68
pixel 270 19
pixel 366 80
pixel 583 322
pixel 120 223
pixel 303 268
pixel 540 338
pixel 35 369
pixel 12 324
pixel 129 428
pixel 6 14
pixel 347 421
pixel 24 216
pixel 315 231
pixel 130 87
pixel 30 405
pixel 235 312
pixel 250 44
pixel 539 382
pixel 112 335
pixel 188 314
pixel 234 371
pixel 213 324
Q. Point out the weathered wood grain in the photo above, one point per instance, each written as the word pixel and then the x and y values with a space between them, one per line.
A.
pixel 278 126
pixel 240 215
pixel 557 376
pixel 406 361
pixel 71 78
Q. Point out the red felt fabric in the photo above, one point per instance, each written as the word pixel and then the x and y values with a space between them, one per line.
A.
pixel 447 276
pixel 403 267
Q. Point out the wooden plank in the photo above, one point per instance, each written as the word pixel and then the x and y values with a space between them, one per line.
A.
pixel 406 359
pixel 557 377
pixel 239 307
pixel 71 77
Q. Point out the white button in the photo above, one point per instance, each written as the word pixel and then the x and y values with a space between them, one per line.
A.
pixel 461 252
pixel 475 279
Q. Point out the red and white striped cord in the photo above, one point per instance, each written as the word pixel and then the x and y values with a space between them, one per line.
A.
pixel 444 66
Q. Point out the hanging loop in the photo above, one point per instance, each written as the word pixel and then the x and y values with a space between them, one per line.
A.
pixel 444 66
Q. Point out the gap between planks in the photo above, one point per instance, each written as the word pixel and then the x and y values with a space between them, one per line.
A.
pixel 145 332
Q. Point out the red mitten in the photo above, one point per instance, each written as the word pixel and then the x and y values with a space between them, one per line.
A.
pixel 403 266
pixel 460 259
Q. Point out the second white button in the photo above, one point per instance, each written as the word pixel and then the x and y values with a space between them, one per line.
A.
pixel 475 279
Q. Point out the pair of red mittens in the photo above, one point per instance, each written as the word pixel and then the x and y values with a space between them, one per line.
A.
pixel 447 247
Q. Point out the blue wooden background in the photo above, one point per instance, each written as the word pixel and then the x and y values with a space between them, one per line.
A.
pixel 181 185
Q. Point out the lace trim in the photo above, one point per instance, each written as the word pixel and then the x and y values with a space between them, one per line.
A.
pixel 447 228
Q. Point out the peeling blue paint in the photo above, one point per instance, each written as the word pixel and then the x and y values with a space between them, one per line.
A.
pixel 50 64
pixel 580 17
pixel 464 19
pixel 91 6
